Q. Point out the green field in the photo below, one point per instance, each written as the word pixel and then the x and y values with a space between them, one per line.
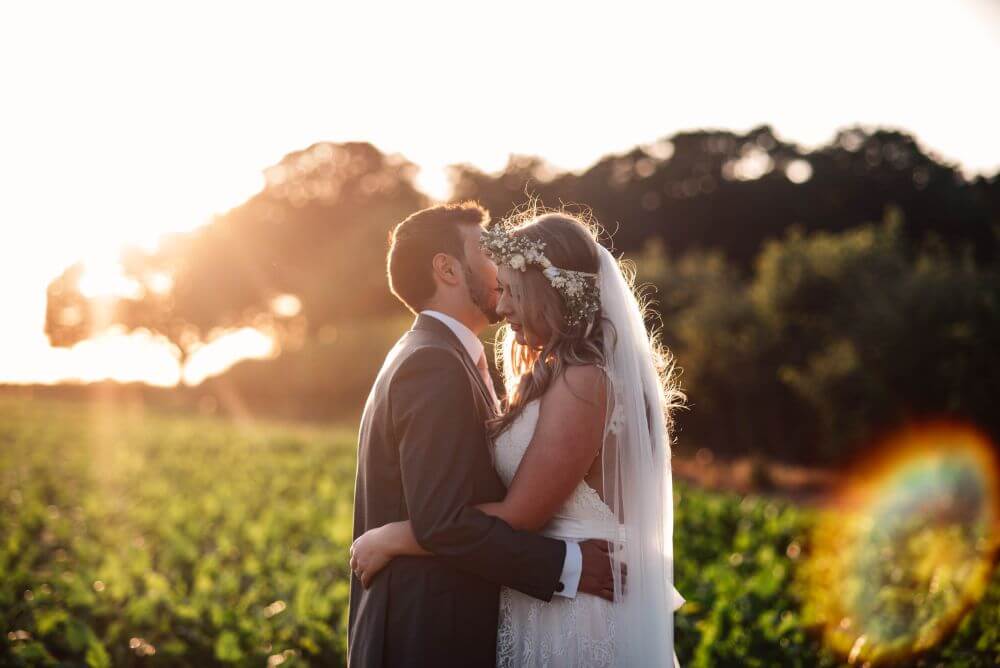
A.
pixel 139 538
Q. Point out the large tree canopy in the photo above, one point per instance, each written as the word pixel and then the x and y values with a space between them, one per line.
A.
pixel 307 250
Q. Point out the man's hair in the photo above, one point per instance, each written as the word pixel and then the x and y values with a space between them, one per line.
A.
pixel 414 242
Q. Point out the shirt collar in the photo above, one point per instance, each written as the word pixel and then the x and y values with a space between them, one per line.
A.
pixel 469 340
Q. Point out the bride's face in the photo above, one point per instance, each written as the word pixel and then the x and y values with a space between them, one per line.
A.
pixel 510 306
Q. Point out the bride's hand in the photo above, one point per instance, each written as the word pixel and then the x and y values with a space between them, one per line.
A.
pixel 369 555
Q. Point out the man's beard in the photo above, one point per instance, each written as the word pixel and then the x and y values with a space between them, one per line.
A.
pixel 481 296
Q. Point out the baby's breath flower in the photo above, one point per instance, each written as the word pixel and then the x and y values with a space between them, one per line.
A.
pixel 578 288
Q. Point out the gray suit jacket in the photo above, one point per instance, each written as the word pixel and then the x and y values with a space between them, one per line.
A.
pixel 423 455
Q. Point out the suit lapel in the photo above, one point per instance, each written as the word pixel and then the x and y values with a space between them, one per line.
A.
pixel 431 324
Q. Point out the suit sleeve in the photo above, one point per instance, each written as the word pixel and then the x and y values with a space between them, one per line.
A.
pixel 435 418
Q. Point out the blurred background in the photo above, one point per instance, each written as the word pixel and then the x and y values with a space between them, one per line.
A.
pixel 195 206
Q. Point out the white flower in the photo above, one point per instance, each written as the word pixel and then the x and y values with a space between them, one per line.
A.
pixel 517 261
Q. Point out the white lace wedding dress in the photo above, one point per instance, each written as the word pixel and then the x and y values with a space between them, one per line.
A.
pixel 564 631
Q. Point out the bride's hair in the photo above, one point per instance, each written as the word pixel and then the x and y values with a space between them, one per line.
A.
pixel 571 242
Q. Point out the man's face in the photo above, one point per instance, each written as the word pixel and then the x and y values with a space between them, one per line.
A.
pixel 480 274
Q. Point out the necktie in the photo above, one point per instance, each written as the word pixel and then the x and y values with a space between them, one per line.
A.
pixel 484 371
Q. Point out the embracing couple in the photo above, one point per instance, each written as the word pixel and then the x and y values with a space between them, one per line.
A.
pixel 532 532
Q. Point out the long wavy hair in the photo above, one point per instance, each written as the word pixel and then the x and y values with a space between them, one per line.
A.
pixel 570 243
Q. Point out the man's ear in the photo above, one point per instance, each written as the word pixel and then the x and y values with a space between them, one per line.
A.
pixel 446 269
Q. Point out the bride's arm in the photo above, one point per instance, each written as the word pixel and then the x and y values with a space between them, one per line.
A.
pixel 374 549
pixel 567 438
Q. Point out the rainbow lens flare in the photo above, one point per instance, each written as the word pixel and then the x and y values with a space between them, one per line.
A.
pixel 908 545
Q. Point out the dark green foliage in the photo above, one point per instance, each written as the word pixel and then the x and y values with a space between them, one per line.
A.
pixel 211 543
pixel 833 340
pixel 225 544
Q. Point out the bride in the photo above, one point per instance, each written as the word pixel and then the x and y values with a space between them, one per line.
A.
pixel 589 389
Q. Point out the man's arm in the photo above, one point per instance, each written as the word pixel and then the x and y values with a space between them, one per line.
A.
pixel 589 571
pixel 434 415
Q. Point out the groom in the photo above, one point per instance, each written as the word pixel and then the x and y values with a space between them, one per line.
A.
pixel 423 455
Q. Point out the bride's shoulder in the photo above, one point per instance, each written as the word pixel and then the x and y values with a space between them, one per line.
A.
pixel 573 409
pixel 587 383
pixel 576 374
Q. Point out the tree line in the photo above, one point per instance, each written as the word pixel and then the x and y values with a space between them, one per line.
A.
pixel 812 298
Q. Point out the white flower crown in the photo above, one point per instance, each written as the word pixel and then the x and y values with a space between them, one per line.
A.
pixel 578 288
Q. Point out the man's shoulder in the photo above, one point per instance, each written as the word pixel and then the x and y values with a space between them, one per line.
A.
pixel 426 352
pixel 426 369
pixel 416 351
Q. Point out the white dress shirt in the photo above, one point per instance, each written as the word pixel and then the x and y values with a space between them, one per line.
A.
pixel 573 564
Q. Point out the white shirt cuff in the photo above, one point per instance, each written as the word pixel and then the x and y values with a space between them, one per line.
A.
pixel 572 569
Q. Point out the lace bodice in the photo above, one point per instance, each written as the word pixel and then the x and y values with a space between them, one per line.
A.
pixel 583 505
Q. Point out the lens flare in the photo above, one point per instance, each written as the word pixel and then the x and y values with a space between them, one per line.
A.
pixel 908 546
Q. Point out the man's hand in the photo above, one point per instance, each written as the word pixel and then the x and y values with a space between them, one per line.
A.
pixel 595 577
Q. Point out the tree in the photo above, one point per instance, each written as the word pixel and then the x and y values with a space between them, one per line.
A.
pixel 305 252
pixel 718 189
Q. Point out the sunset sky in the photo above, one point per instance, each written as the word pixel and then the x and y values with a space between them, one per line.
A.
pixel 123 121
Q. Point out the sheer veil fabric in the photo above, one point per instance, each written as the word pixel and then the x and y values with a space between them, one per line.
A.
pixel 637 479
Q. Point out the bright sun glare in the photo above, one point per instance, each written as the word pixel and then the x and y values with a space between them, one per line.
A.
pixel 139 121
